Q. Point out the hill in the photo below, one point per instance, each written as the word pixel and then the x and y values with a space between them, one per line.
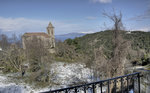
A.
pixel 139 42
pixel 69 35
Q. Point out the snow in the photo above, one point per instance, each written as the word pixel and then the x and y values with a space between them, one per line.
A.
pixel 11 87
pixel 66 74
pixel 63 74
pixel 88 32
pixel 128 32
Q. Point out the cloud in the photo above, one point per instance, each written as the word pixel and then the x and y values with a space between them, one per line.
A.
pixel 91 17
pixel 21 24
pixel 144 16
pixel 145 29
pixel 102 1
pixel 31 25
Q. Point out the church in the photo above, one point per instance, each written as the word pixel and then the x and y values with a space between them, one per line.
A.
pixel 47 39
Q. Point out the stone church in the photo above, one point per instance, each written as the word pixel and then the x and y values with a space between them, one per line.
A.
pixel 46 39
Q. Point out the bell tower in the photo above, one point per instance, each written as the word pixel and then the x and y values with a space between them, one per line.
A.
pixel 50 31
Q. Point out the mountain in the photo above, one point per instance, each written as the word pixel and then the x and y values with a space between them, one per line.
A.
pixel 140 44
pixel 69 35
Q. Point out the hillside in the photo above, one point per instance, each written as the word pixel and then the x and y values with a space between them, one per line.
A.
pixel 140 44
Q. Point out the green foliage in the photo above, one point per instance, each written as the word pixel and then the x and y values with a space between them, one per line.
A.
pixel 140 40
pixel 86 44
pixel 73 42
pixel 67 51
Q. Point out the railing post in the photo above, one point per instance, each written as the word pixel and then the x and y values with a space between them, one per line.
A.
pixel 139 82
pixel 75 90
pixel 108 86
pixel 101 85
pixel 127 84
pixel 84 89
pixel 93 87
pixel 66 91
pixel 121 85
pixel 133 83
pixel 115 86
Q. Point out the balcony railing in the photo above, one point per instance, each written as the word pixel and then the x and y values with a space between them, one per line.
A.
pixel 121 84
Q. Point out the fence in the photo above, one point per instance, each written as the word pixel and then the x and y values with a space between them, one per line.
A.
pixel 121 84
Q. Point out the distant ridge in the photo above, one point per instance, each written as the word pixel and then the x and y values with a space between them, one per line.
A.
pixel 69 35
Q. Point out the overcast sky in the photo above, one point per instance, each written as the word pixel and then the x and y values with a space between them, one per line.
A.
pixel 68 16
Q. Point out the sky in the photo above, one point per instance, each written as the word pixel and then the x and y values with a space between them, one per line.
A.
pixel 67 16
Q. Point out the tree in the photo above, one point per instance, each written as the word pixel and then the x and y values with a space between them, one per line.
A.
pixel 4 41
pixel 99 64
pixel 116 65
pixel 19 41
pixel 116 19
pixel 13 38
pixel 39 59
pixel 13 60
pixel 36 53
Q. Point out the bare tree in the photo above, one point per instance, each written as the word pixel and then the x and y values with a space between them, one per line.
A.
pixel 19 41
pixel 117 20
pixel 13 38
pixel 36 53
pixel 4 41
pixel 116 64
pixel 99 64
pixel 16 59
pixel 39 58
pixel 117 41
pixel 12 60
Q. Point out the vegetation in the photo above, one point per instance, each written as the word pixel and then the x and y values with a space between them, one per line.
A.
pixel 139 40
pixel 90 49
pixel 32 63
pixel 67 51
pixel 111 48
pixel 93 49
pixel 104 52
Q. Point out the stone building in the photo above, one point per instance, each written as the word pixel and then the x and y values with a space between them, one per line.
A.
pixel 46 39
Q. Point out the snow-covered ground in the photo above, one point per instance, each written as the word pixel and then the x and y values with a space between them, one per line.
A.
pixel 63 74
pixel 68 74
pixel 7 86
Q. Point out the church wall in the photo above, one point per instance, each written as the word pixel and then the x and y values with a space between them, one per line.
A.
pixel 47 41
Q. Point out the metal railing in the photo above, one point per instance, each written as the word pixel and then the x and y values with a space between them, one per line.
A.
pixel 121 84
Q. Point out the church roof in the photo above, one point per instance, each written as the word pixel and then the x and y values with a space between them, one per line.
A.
pixel 37 34
pixel 50 25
